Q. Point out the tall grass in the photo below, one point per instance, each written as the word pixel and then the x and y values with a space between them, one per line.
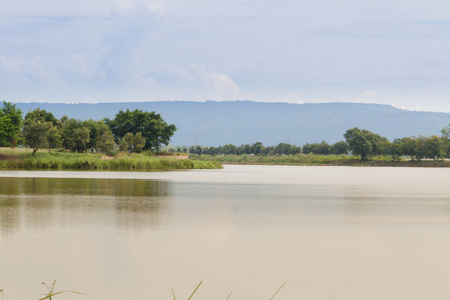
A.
pixel 89 161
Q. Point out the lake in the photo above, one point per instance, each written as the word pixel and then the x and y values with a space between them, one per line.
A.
pixel 341 232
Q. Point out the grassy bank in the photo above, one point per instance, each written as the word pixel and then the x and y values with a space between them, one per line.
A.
pixel 18 159
pixel 319 160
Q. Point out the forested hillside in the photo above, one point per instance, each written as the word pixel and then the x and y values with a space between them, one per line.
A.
pixel 242 122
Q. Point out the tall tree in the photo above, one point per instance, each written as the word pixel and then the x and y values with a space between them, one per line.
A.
pixel 53 138
pixel 339 148
pixel 364 143
pixel 96 130
pixel 106 142
pixel 70 125
pixel 132 142
pixel 35 129
pixel 81 139
pixel 153 128
pixel 10 123
pixel 35 134
pixel 408 146
pixel 446 140
pixel 42 115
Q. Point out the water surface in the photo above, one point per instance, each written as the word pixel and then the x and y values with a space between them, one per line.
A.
pixel 345 232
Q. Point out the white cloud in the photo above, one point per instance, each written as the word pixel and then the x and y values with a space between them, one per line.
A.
pixel 220 85
pixel 133 10
pixel 16 69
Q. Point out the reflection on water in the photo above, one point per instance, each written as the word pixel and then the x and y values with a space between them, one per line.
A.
pixel 82 186
pixel 41 202
pixel 351 233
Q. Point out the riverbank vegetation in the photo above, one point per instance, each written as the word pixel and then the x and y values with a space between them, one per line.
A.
pixel 131 141
pixel 320 160
pixel 64 160
pixel 366 148
pixel 130 131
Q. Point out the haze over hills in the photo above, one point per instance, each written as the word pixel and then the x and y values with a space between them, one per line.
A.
pixel 213 123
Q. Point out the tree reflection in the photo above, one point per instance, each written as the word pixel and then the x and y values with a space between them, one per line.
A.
pixel 42 202
pixel 10 215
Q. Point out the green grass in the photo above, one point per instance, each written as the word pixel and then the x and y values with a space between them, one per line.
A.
pixel 318 160
pixel 94 161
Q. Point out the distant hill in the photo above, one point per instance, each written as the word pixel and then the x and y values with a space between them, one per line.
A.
pixel 213 123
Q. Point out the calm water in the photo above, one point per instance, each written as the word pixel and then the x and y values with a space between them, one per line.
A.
pixel 348 233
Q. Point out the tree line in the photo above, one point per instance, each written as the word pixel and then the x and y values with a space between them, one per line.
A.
pixel 259 149
pixel 132 131
pixel 360 142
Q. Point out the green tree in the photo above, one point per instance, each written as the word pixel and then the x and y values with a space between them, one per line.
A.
pixel 68 129
pixel 53 138
pixel 317 148
pixel 429 147
pixel 394 149
pixel 407 146
pixel 446 140
pixel 435 147
pixel 139 142
pixel 339 148
pixel 153 128
pixel 287 149
pixel 42 115
pixel 96 129
pixel 228 149
pixel 106 142
pixel 35 134
pixel 364 143
pixel 307 148
pixel 80 138
pixel 10 124
pixel 132 143
pixel 257 148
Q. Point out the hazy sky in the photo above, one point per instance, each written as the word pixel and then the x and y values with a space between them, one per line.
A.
pixel 384 51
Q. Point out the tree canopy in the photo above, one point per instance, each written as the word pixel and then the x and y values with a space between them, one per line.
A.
pixel 364 143
pixel 10 124
pixel 154 129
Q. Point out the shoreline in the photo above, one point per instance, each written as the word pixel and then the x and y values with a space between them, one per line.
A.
pixel 397 164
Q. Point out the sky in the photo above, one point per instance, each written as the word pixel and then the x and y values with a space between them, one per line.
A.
pixel 393 52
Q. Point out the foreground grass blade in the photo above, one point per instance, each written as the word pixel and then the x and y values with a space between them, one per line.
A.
pixel 195 290
pixel 278 290
pixel 1 291
pixel 173 292
pixel 49 296
pixel 50 292
pixel 229 295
